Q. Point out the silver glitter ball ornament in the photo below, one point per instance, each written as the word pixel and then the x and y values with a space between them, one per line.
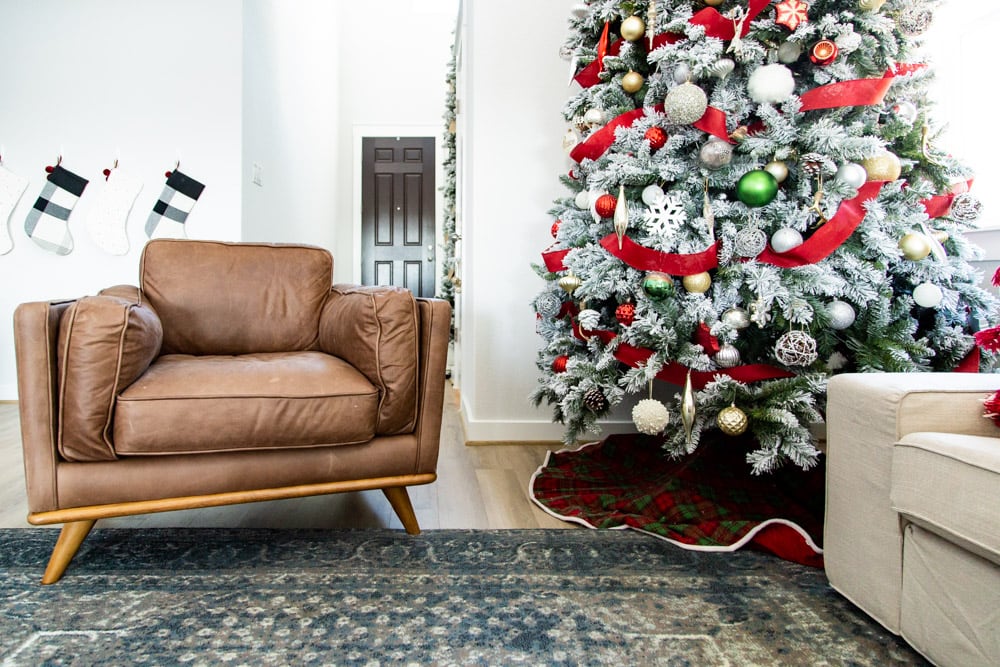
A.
pixel 852 174
pixel 715 154
pixel 548 304
pixel 727 356
pixel 736 317
pixel 685 104
pixel 966 208
pixel 749 242
pixel 841 314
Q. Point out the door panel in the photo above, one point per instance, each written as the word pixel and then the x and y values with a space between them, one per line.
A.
pixel 397 213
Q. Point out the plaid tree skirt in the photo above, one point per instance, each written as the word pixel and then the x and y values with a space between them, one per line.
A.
pixel 708 501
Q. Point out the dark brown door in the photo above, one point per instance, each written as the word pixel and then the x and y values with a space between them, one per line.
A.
pixel 397 213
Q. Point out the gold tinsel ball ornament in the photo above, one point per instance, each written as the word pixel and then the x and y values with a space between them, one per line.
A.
pixel 632 82
pixel 698 283
pixel 882 167
pixel 650 416
pixel 732 421
pixel 633 29
pixel 915 246
pixel 685 104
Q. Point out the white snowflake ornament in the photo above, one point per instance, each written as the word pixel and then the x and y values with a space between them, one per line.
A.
pixel 665 216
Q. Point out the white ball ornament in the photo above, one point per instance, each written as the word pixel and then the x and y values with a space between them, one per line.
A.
pixel 582 200
pixel 771 84
pixel 652 194
pixel 927 295
pixel 715 154
pixel 852 174
pixel 594 117
pixel 650 416
pixel 785 239
pixel 778 169
pixel 841 314
pixel 736 317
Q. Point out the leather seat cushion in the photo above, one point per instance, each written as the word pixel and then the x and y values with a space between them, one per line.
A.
pixel 191 404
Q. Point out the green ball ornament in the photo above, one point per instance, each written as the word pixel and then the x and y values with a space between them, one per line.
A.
pixel 757 188
pixel 658 286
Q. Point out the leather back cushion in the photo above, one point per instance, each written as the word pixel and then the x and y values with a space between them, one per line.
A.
pixel 105 343
pixel 236 298
pixel 375 329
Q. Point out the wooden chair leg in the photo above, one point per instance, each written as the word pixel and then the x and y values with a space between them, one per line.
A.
pixel 70 538
pixel 400 501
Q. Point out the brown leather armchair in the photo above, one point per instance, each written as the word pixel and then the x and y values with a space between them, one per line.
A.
pixel 234 373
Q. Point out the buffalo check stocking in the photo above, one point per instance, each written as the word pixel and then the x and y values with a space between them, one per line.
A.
pixel 171 211
pixel 48 221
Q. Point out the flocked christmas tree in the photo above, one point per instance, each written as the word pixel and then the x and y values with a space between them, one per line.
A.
pixel 756 202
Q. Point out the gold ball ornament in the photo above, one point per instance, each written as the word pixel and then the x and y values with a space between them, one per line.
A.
pixel 569 283
pixel 915 246
pixel 714 3
pixel 632 82
pixel 697 283
pixel 732 421
pixel 778 169
pixel 870 5
pixel 633 29
pixel 882 167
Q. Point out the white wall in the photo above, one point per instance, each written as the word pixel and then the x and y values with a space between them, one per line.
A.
pixel 319 75
pixel 142 81
pixel 514 85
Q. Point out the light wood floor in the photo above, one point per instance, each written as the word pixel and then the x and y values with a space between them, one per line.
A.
pixel 482 486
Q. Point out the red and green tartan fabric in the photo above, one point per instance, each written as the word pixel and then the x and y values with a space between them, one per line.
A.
pixel 708 501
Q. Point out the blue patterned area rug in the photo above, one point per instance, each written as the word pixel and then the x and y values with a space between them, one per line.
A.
pixel 379 597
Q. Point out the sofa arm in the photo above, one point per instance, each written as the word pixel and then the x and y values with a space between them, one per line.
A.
pixel 866 415
pixel 376 330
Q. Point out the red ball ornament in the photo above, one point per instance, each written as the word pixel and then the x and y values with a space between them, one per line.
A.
pixel 823 52
pixel 559 363
pixel 605 205
pixel 656 137
pixel 625 314
pixel 554 230
pixel 49 169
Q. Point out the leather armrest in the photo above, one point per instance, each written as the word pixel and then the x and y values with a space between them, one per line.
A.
pixel 375 329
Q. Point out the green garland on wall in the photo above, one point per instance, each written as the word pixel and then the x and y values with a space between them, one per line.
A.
pixel 450 282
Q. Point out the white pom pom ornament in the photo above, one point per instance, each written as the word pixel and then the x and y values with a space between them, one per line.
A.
pixel 771 83
pixel 650 416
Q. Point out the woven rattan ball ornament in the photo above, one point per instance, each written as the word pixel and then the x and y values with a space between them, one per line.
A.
pixel 749 242
pixel 650 416
pixel 732 421
pixel 727 356
pixel 595 401
pixel 685 104
pixel 548 304
pixel 796 348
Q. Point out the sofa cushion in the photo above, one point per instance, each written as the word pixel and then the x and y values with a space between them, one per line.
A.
pixel 376 330
pixel 105 343
pixel 189 404
pixel 235 298
pixel 950 483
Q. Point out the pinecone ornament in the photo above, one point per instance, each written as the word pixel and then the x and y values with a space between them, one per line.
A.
pixel 595 400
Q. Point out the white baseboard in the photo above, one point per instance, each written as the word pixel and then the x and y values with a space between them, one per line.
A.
pixel 482 431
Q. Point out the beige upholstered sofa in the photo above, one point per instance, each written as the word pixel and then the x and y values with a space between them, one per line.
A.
pixel 912 533
pixel 234 372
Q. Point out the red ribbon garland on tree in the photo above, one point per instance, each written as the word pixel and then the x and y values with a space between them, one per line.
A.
pixel 646 259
